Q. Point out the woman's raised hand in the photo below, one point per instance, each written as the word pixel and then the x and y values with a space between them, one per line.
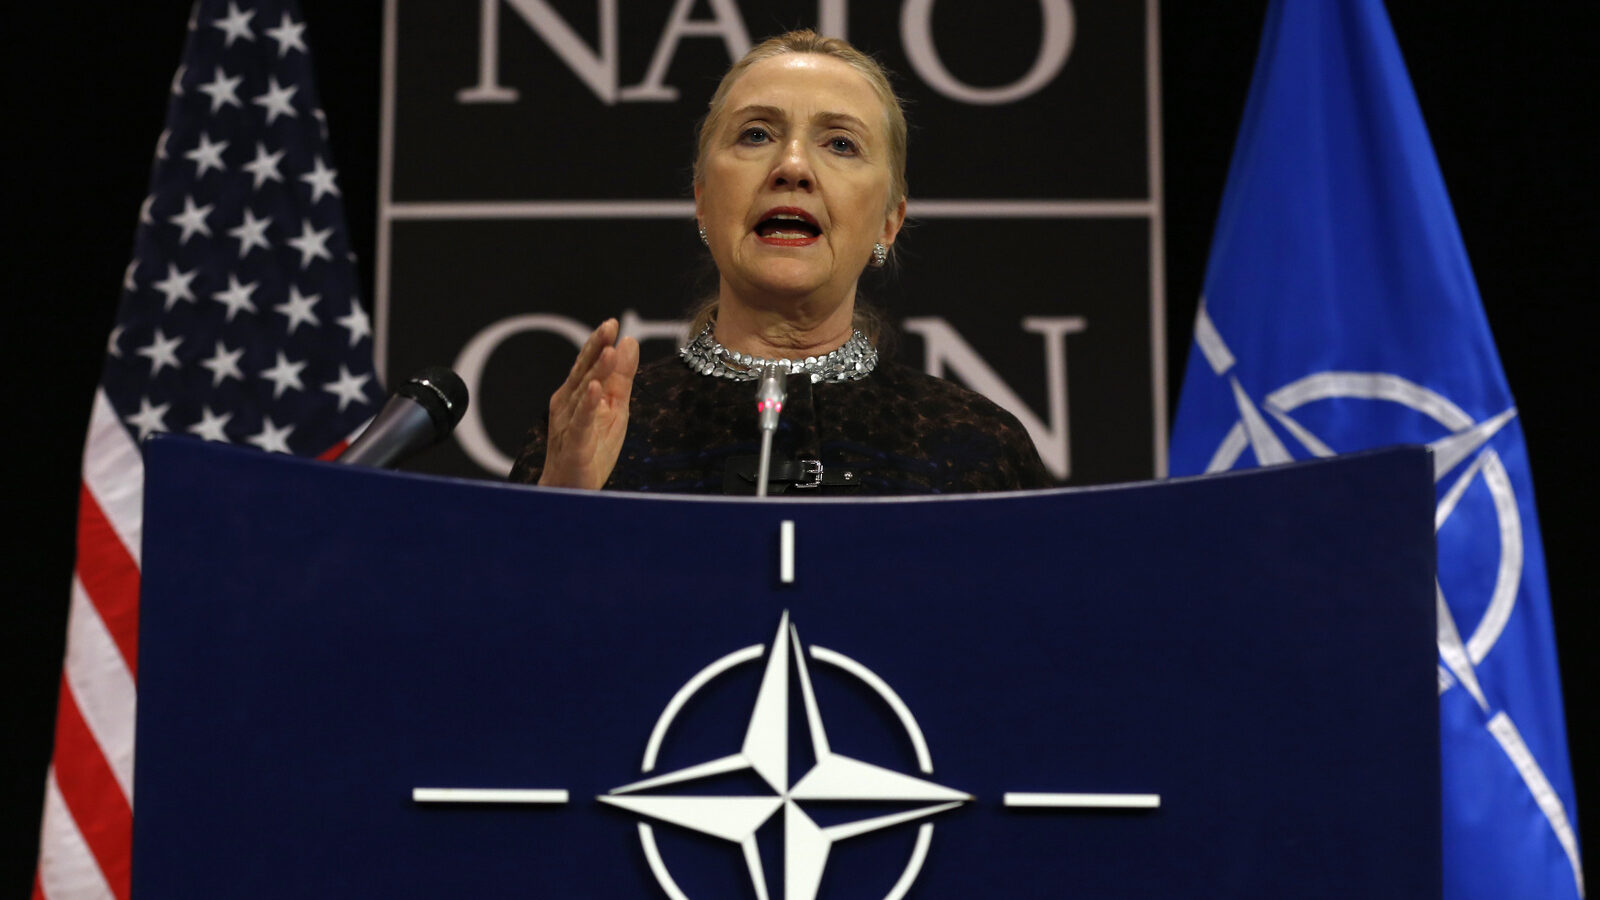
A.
pixel 589 412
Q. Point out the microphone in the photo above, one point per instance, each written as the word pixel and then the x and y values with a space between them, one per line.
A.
pixel 771 391
pixel 419 414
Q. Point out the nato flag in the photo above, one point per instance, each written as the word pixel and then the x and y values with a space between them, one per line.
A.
pixel 1340 313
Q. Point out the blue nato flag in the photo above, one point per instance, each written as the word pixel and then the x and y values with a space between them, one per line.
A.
pixel 1340 313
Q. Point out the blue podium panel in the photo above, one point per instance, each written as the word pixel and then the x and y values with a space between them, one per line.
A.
pixel 1218 687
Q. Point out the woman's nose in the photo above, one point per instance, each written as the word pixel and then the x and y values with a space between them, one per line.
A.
pixel 793 171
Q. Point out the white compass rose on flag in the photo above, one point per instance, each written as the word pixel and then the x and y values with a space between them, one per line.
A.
pixel 1461 456
pixel 765 751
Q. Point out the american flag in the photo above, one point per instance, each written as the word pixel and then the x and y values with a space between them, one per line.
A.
pixel 238 322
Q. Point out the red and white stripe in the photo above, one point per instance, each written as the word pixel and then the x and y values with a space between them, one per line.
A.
pixel 86 838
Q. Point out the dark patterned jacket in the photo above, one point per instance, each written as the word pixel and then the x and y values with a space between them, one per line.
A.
pixel 898 431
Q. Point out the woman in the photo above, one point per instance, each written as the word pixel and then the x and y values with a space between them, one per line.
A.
pixel 799 186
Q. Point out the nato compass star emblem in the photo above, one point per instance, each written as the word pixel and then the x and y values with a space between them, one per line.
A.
pixel 1464 452
pixel 672 798
pixel 832 777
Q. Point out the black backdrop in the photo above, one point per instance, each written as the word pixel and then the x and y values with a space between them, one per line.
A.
pixel 1502 89
pixel 476 268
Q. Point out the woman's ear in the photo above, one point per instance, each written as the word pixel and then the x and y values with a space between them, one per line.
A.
pixel 891 223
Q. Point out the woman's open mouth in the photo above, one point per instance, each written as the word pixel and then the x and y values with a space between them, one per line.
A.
pixel 788 227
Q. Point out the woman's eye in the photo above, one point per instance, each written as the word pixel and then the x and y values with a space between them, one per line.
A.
pixel 754 136
pixel 842 145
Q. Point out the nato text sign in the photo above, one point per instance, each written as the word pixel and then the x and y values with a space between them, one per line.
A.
pixel 537 181
pixel 1212 687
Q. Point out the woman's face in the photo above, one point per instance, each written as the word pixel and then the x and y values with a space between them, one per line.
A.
pixel 795 189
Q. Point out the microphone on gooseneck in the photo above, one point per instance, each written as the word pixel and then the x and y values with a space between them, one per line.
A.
pixel 771 390
pixel 419 414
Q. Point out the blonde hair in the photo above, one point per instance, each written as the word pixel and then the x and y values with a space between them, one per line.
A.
pixel 867 321
pixel 807 41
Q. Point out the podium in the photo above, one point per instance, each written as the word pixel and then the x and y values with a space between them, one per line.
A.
pixel 357 683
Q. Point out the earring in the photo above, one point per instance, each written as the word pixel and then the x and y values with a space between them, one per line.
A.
pixel 703 240
pixel 880 256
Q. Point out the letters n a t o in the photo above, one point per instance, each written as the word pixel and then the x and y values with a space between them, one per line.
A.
pixel 597 65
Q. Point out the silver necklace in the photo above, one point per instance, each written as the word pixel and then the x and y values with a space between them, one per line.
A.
pixel 852 361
